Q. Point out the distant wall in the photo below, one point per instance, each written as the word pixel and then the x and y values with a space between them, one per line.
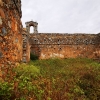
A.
pixel 49 45
pixel 10 33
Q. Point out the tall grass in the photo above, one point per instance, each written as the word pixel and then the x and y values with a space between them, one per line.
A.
pixel 54 79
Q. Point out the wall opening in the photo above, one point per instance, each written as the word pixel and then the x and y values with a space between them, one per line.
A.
pixel 31 29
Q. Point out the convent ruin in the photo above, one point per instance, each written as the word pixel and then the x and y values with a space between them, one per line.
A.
pixel 17 42
pixel 61 45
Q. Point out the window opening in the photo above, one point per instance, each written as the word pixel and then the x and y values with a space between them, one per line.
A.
pixel 31 29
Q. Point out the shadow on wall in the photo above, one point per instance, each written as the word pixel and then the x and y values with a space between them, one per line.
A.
pixel 33 57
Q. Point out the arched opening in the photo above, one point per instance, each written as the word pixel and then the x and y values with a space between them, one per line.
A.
pixel 31 29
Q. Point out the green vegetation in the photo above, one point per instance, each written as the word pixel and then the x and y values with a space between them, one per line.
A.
pixel 54 79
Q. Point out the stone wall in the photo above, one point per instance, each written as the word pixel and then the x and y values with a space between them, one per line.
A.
pixel 26 47
pixel 10 33
pixel 49 45
pixel 16 42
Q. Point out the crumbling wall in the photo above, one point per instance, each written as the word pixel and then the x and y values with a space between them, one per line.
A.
pixel 10 33
pixel 65 45
pixel 31 23
pixel 26 47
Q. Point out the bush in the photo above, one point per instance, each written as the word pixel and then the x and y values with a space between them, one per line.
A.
pixel 54 79
pixel 21 87
pixel 6 90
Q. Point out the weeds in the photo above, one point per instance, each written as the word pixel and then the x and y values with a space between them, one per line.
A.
pixel 54 79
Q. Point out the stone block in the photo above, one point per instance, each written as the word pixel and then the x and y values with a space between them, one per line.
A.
pixel 1 55
pixel 1 3
pixel 2 14
pixel 9 24
pixel 0 20
pixel 4 32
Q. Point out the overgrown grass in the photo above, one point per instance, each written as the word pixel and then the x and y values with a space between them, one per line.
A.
pixel 54 79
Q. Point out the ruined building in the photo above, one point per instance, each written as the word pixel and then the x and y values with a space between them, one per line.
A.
pixel 50 45
pixel 17 42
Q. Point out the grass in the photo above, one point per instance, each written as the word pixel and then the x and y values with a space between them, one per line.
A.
pixel 54 79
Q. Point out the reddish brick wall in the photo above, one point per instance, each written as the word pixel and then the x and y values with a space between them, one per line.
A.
pixel 10 33
pixel 65 45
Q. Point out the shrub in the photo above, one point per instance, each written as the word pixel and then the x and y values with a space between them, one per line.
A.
pixel 6 90
pixel 54 79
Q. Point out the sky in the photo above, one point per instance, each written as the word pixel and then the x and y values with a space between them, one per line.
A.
pixel 63 16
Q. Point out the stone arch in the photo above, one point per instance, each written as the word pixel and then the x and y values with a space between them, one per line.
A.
pixel 31 23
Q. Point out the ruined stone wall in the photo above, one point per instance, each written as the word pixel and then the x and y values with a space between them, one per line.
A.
pixel 65 45
pixel 26 47
pixel 10 33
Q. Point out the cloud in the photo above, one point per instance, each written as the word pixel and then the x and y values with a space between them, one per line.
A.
pixel 63 16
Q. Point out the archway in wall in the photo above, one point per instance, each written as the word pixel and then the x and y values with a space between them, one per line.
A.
pixel 32 24
pixel 31 29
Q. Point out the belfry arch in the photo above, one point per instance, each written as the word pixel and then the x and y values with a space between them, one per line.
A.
pixel 31 23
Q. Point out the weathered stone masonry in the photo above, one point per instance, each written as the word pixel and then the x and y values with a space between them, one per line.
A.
pixel 26 47
pixel 10 33
pixel 50 45
pixel 65 45
pixel 31 23
pixel 16 43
